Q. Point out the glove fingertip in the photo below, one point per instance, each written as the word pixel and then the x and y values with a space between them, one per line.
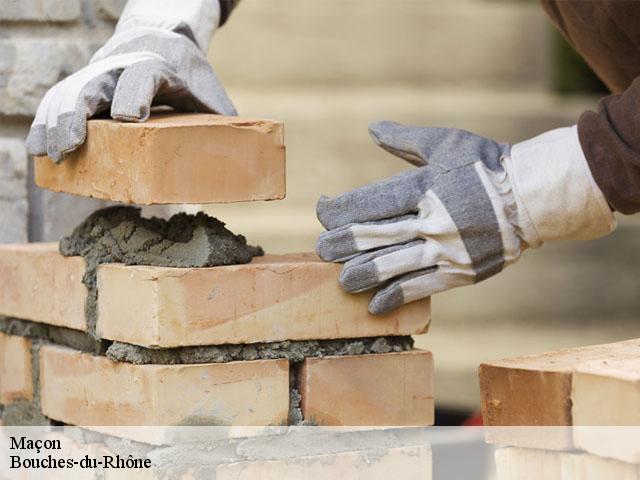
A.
pixel 36 141
pixel 386 300
pixel 322 211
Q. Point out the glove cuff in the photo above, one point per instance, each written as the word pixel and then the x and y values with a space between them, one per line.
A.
pixel 201 17
pixel 557 197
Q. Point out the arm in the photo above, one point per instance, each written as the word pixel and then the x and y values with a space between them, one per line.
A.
pixel 607 35
pixel 611 144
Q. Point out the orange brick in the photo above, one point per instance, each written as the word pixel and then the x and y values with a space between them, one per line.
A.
pixel 41 285
pixel 82 389
pixel 535 390
pixel 173 158
pixel 288 297
pixel 407 463
pixel 277 297
pixel 380 389
pixel 15 369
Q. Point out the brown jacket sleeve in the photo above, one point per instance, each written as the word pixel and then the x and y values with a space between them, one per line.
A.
pixel 226 7
pixel 607 34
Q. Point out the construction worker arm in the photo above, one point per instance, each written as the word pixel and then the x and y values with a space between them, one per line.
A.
pixel 157 56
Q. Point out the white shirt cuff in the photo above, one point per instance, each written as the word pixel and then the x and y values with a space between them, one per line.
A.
pixel 556 194
pixel 202 17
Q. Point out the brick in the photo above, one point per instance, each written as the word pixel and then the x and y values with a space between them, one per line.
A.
pixel 605 395
pixel 40 10
pixel 532 464
pixel 383 389
pixel 41 285
pixel 15 369
pixel 535 390
pixel 528 464
pixel 408 463
pixel 83 389
pixel 14 209
pixel 277 297
pixel 20 89
pixel 174 158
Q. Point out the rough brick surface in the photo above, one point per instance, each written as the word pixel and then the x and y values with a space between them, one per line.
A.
pixel 535 390
pixel 13 191
pixel 15 369
pixel 407 463
pixel 230 159
pixel 41 285
pixel 277 297
pixel 82 389
pixel 532 464
pixel 386 389
pixel 606 393
pixel 40 10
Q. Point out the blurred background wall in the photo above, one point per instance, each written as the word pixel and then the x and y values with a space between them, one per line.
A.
pixel 327 68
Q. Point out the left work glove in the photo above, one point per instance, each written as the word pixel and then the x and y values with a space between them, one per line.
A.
pixel 157 56
pixel 470 209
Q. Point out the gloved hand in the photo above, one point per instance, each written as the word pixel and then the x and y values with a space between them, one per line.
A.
pixel 156 56
pixel 470 209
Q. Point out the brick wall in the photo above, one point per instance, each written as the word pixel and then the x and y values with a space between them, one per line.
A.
pixel 41 42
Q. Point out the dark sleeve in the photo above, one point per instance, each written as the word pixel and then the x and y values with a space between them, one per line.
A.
pixel 610 139
pixel 226 6
pixel 607 35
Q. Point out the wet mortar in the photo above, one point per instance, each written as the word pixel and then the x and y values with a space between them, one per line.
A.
pixel 120 234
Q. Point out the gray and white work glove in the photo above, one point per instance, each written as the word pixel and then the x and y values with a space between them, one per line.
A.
pixel 157 56
pixel 469 210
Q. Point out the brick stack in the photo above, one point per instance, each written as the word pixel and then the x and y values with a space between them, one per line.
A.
pixel 568 414
pixel 51 363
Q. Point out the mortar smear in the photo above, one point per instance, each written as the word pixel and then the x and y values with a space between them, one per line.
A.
pixel 294 351
pixel 120 234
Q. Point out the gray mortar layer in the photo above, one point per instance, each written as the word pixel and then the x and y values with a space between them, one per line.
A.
pixel 294 351
pixel 120 234
pixel 53 334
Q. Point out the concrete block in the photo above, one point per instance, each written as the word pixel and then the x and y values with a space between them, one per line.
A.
pixel 41 285
pixel 535 391
pixel 407 463
pixel 174 158
pixel 276 297
pixel 82 389
pixel 385 389
pixel 40 10
pixel 605 399
pixel 15 369
pixel 14 208
pixel 53 59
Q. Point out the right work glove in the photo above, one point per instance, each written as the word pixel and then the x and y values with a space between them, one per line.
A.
pixel 470 209
pixel 157 56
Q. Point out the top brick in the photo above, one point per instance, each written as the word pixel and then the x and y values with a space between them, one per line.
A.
pixel 174 158
pixel 39 10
